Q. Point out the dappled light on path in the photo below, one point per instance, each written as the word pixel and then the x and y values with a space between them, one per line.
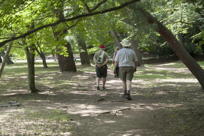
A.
pixel 69 103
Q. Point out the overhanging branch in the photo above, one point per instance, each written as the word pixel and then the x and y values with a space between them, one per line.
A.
pixel 67 20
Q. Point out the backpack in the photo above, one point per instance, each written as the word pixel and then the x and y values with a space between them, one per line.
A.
pixel 100 58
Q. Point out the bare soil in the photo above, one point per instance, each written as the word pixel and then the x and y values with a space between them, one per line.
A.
pixel 69 105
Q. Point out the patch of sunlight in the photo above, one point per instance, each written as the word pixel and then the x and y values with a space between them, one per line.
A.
pixel 40 101
pixel 109 121
pixel 48 77
pixel 88 93
pixel 81 77
pixel 8 113
pixel 15 92
pixel 88 112
pixel 179 80
pixel 150 76
pixel 153 106
pixel 24 77
pixel 173 64
pixel 48 92
pixel 201 63
pixel 137 132
pixel 176 70
pixel 85 110
pixel 113 81
pixel 16 67
pixel 168 64
pixel 161 92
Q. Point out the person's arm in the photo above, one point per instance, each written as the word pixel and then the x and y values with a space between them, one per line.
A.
pixel 136 61
pixel 116 60
pixel 94 58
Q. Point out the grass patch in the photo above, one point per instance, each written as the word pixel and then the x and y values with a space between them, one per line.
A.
pixel 52 115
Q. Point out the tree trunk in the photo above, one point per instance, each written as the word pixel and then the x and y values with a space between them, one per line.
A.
pixel 0 59
pixel 67 63
pixel 117 38
pixel 177 47
pixel 83 51
pixel 42 56
pixel 31 68
pixel 8 59
pixel 5 59
pixel 134 46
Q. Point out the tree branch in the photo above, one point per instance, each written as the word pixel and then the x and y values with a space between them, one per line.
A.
pixel 98 5
pixel 85 15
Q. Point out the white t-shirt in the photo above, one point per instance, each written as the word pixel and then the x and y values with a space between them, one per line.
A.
pixel 126 57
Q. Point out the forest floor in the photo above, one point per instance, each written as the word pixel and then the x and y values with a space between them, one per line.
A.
pixel 167 101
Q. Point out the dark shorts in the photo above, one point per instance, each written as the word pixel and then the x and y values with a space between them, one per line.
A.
pixel 101 71
pixel 126 73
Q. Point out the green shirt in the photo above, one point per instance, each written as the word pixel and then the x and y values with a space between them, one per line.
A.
pixel 100 57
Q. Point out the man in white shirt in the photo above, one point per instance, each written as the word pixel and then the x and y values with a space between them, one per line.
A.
pixel 127 61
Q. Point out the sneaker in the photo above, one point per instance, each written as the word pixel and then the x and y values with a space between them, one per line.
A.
pixel 98 88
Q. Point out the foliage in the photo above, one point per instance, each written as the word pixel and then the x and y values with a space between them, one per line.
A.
pixel 183 17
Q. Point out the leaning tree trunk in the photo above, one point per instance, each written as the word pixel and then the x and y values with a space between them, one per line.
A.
pixel 176 46
pixel 5 59
pixel 31 68
pixel 42 56
pixel 83 51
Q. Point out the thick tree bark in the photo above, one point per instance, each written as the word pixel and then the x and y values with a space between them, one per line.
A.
pixel 31 68
pixel 42 56
pixel 5 59
pixel 83 51
pixel 67 63
pixel 176 46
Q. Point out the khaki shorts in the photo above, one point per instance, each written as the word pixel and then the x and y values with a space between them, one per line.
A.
pixel 126 73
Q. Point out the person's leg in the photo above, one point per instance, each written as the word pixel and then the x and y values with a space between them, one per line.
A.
pixel 97 83
pixel 104 83
pixel 128 82
pixel 124 87
pixel 122 75
pixel 130 73
pixel 98 78
pixel 104 74
pixel 129 89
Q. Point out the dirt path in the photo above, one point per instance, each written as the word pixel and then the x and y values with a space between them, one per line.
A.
pixel 159 108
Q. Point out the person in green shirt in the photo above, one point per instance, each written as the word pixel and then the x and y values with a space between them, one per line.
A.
pixel 101 60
